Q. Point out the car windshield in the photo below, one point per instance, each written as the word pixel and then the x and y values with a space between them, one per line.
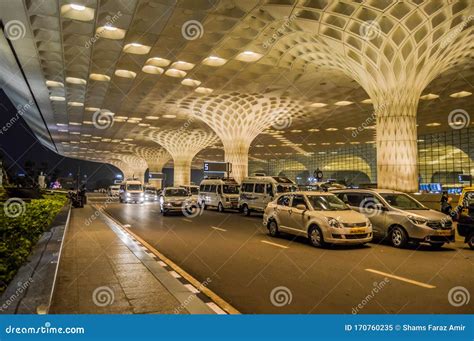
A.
pixel 134 187
pixel 327 203
pixel 176 192
pixel 230 189
pixel 150 191
pixel 194 190
pixel 284 188
pixel 402 201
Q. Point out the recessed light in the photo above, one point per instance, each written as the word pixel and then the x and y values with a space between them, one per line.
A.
pixel 248 56
pixel 99 77
pixel 87 122
pixel 144 124
pixel 77 7
pixel 370 142
pixel 128 139
pixel 433 124
pixel 75 123
pixel 92 109
pixel 54 84
pixel 180 65
pixel 190 82
pixel 343 103
pixel 175 73
pixel 461 94
pixel 214 61
pixel 429 97
pixel 367 101
pixel 340 143
pixel 63 130
pixel 169 116
pixel 110 32
pixel 152 117
pixel 205 91
pixel 157 61
pixel 325 144
pixel 74 80
pixel 318 105
pixel 75 104
pixel 355 142
pixel 57 98
pixel 136 48
pixel 295 131
pixel 331 129
pixel 152 69
pixel 75 133
pixel 350 128
pixel 125 73
pixel 121 117
pixel 61 124
pixel 313 130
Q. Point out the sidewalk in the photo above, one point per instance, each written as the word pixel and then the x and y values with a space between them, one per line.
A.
pixel 103 271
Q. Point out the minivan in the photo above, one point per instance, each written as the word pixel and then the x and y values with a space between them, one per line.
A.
pixel 221 193
pixel 257 191
pixel 131 191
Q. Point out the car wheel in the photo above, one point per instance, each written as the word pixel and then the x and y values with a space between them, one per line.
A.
pixel 273 228
pixel 399 237
pixel 246 210
pixel 470 241
pixel 436 245
pixel 220 207
pixel 316 237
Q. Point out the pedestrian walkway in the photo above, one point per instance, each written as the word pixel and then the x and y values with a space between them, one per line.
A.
pixel 103 271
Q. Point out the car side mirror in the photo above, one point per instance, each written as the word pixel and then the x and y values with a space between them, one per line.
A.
pixel 301 207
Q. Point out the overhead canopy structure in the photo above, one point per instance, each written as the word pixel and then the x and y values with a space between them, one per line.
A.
pixel 114 75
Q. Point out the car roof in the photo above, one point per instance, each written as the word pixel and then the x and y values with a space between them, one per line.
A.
pixel 365 190
pixel 308 193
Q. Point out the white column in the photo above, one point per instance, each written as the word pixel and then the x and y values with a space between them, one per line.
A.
pixel 182 171
pixel 237 153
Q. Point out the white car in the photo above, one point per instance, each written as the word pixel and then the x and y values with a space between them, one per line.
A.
pixel 176 199
pixel 320 216
pixel 131 191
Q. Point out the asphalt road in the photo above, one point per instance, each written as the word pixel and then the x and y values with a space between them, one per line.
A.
pixel 245 265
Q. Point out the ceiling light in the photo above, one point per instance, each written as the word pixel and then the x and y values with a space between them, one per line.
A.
pixel 343 103
pixel 433 124
pixel 136 48
pixel 331 129
pixel 355 142
pixel 370 142
pixel 157 61
pixel 78 7
pixel 87 122
pixel 121 117
pixel 61 124
pixel 75 104
pixel 248 56
pixel 367 101
pixel 461 94
pixel 214 61
pixel 429 97
pixel 144 124
pixel 340 143
pixel 75 133
pixel 205 91
pixel 125 73
pixel 99 77
pixel 152 117
pixel 175 73
pixel 318 105
pixel 109 28
pixel 57 98
pixel 153 70
pixel 128 139
pixel 63 130
pixel 74 80
pixel 54 84
pixel 296 131
pixel 370 127
pixel 92 109
pixel 169 116
pixel 325 144
pixel 350 128
pixel 190 82
pixel 313 130
pixel 110 32
pixel 77 12
pixel 182 65
pixel 75 123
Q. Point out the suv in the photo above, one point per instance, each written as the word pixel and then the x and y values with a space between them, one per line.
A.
pixel 320 216
pixel 399 217
pixel 257 191
pixel 220 193
pixel 131 191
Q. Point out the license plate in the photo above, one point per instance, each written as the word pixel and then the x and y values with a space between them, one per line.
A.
pixel 357 231
pixel 444 233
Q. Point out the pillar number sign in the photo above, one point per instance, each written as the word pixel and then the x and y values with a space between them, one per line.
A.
pixel 217 167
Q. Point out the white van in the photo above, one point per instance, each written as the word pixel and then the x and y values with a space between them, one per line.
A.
pixel 131 191
pixel 257 191
pixel 220 193
pixel 193 190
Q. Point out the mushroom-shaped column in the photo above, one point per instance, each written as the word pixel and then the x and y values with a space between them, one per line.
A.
pixel 136 166
pixel 183 145
pixel 238 118
pixel 127 172
pixel 156 158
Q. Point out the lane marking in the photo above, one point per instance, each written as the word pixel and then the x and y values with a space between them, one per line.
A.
pixel 191 288
pixel 275 244
pixel 216 308
pixel 188 220
pixel 163 264
pixel 175 274
pixel 127 225
pixel 218 228
pixel 403 279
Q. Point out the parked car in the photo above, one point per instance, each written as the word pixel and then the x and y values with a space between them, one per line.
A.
pixel 113 190
pixel 257 191
pixel 151 193
pixel 193 190
pixel 320 216
pixel 176 199
pixel 325 186
pixel 399 217
pixel 466 216
pixel 131 191
pixel 220 193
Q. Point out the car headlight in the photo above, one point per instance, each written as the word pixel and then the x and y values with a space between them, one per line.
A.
pixel 141 194
pixel 369 224
pixel 417 220
pixel 333 222
pixel 128 194
pixel 168 204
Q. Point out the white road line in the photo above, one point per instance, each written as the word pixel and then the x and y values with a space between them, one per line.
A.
pixel 411 281
pixel 175 274
pixel 218 228
pixel 191 288
pixel 162 263
pixel 275 244
pixel 216 308
pixel 127 225
pixel 188 220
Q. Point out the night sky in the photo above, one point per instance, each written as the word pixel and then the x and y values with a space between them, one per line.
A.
pixel 19 145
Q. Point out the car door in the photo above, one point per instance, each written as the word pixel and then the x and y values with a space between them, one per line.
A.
pixel 282 210
pixel 259 194
pixel 373 208
pixel 296 215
